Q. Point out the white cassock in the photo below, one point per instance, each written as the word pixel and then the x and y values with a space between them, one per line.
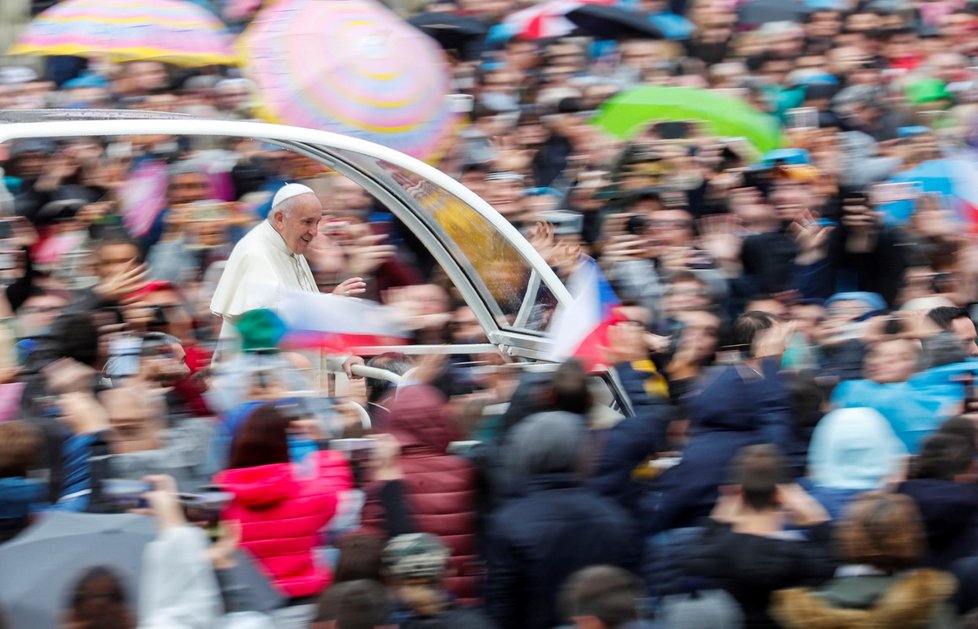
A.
pixel 260 265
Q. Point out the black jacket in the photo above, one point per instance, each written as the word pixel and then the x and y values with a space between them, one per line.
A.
pixel 751 567
pixel 538 540
pixel 950 514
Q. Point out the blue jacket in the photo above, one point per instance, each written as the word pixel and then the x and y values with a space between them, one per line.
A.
pixel 19 498
pixel 629 442
pixel 732 408
pixel 538 540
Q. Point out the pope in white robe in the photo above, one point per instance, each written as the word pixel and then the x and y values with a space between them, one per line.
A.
pixel 270 258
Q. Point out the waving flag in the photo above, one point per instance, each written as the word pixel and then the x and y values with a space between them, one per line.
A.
pixel 322 321
pixel 581 329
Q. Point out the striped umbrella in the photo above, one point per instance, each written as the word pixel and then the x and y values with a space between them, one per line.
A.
pixel 545 20
pixel 351 67
pixel 172 31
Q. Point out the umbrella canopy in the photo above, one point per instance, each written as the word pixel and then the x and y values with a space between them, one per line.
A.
pixel 351 67
pixel 956 180
pixel 39 567
pixel 453 32
pixel 545 20
pixel 757 12
pixel 610 22
pixel 172 31
pixel 626 114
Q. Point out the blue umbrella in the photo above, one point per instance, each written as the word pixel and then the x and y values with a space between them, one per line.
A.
pixel 956 180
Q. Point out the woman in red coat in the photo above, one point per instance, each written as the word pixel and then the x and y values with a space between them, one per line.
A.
pixel 439 488
pixel 282 507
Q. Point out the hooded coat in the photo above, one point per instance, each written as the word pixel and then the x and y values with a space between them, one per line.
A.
pixel 732 408
pixel 852 450
pixel 440 488
pixel 282 510
pixel 914 600
pixel 555 528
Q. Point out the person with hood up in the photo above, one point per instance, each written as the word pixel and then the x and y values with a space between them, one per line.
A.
pixel 734 406
pixel 282 507
pixel 881 540
pixel 439 488
pixel 852 450
pixel 555 528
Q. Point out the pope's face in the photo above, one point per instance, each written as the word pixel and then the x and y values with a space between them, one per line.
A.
pixel 300 225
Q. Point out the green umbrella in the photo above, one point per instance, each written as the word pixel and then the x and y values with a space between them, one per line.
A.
pixel 626 114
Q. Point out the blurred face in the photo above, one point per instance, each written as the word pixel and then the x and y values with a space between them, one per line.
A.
pixel 807 318
pixel 300 224
pixel 684 296
pixel 790 200
pixel 772 307
pixel 671 228
pixel 38 313
pixel 116 258
pixel 347 198
pixel 506 196
pixel 701 331
pixel 189 187
pixel 964 329
pixel 465 327
pixel 824 24
pixel 891 361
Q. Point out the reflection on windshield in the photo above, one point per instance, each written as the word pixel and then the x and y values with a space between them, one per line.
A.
pixel 500 271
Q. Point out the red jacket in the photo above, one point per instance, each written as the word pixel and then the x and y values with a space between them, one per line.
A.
pixel 282 509
pixel 440 487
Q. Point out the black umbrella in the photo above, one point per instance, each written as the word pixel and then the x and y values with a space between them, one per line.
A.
pixel 453 32
pixel 608 22
pixel 757 12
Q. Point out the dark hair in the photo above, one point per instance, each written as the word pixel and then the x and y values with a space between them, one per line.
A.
pixel 943 456
pixel 571 391
pixel 77 337
pixel 881 530
pixel 746 328
pixel 607 593
pixel 759 470
pixel 262 440
pixel 360 557
pixel 116 236
pixel 944 316
pixel 99 601
pixel 391 361
pixel 354 605
pixel 20 446
pixel 960 426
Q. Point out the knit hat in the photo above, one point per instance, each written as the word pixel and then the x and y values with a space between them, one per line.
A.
pixel 415 556
pixel 260 330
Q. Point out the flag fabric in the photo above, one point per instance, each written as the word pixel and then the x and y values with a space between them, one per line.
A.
pixel 580 330
pixel 340 324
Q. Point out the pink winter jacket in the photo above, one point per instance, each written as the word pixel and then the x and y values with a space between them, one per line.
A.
pixel 282 509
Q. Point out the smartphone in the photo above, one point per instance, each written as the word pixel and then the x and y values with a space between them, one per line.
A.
pixel 125 494
pixel 357 450
pixel 124 353
pixel 883 193
pixel 802 118
pixel 461 103
pixel 204 509
pixel 673 130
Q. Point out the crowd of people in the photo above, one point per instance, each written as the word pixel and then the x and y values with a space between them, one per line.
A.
pixel 793 331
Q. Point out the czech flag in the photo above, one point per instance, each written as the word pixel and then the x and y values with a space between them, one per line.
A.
pixel 580 330
pixel 338 324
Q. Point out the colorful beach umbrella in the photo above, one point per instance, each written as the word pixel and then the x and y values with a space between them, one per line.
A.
pixel 628 113
pixel 351 67
pixel 171 31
